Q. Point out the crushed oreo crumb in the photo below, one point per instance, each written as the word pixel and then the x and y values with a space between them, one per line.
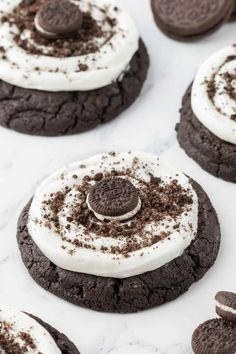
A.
pixel 15 343
pixel 228 88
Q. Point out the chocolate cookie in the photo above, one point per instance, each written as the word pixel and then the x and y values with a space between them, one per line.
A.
pixel 58 19
pixel 190 19
pixel 71 84
pixel 63 343
pixel 226 305
pixel 62 113
pixel 214 337
pixel 135 293
pixel 211 153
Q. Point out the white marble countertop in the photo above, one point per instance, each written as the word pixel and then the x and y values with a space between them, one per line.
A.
pixel 149 125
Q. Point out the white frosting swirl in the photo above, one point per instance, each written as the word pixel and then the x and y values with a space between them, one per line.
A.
pixel 18 327
pixel 47 73
pixel 98 259
pixel 214 94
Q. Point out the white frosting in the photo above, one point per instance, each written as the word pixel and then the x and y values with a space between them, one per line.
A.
pixel 225 308
pixel 123 217
pixel 215 114
pixel 101 263
pixel 62 74
pixel 20 322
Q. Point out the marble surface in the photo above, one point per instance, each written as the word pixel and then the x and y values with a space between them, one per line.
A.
pixel 149 125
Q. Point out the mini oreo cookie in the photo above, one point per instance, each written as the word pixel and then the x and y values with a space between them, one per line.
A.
pixel 214 336
pixel 113 197
pixel 226 305
pixel 58 19
pixel 190 19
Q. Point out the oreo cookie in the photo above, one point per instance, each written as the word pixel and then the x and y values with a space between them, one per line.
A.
pixel 226 305
pixel 58 19
pixel 186 20
pixel 114 197
pixel 215 336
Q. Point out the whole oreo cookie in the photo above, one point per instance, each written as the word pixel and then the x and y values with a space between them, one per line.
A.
pixel 58 19
pixel 190 19
pixel 226 305
pixel 113 197
pixel 215 336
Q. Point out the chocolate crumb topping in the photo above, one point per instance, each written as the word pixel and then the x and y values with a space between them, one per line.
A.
pixel 229 87
pixel 160 201
pixel 9 341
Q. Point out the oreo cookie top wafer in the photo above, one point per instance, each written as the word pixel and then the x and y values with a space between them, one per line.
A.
pixel 188 19
pixel 58 19
pixel 114 215
pixel 114 198
pixel 215 336
pixel 226 305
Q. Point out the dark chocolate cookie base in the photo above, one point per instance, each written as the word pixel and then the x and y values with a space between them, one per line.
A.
pixel 189 38
pixel 63 343
pixel 213 154
pixel 135 293
pixel 63 113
